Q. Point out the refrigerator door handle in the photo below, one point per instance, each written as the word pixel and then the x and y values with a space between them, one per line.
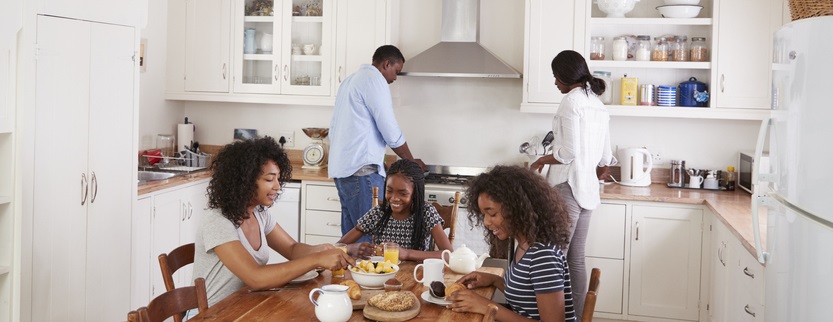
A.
pixel 781 201
pixel 756 222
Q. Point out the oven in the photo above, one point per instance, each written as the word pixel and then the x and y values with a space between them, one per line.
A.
pixel 440 185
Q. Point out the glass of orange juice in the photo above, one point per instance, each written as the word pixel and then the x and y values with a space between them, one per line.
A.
pixel 392 252
pixel 340 272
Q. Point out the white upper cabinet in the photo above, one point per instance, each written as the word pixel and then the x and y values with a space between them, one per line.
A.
pixel 361 28
pixel 552 26
pixel 207 31
pixel 744 52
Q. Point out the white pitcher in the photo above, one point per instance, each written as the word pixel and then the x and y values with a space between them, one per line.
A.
pixel 333 305
pixel 266 42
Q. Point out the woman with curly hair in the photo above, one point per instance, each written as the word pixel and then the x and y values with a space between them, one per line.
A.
pixel 403 217
pixel 233 240
pixel 513 202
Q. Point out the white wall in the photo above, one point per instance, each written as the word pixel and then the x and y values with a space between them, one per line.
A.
pixel 473 122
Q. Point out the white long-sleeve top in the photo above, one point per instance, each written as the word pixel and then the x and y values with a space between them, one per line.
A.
pixel 582 143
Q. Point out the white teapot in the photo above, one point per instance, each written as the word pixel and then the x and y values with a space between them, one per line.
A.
pixel 333 305
pixel 463 260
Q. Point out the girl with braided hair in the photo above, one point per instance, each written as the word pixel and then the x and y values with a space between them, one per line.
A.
pixel 581 145
pixel 403 217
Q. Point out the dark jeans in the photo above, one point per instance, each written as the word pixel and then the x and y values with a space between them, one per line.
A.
pixel 355 194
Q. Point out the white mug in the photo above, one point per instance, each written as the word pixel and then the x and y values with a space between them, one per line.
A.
pixel 309 49
pixel 695 182
pixel 432 270
pixel 710 183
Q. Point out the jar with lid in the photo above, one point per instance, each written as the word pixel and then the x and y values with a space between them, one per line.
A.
pixel 699 51
pixel 660 51
pixel 607 96
pixel 597 48
pixel 679 50
pixel 643 48
pixel 620 48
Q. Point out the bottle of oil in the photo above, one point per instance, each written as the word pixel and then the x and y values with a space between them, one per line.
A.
pixel 730 179
pixel 628 94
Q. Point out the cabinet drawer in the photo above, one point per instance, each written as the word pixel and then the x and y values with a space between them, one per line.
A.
pixel 325 223
pixel 322 198
pixel 750 273
pixel 606 238
pixel 318 240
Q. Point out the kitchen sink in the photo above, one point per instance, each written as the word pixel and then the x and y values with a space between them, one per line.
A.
pixel 154 176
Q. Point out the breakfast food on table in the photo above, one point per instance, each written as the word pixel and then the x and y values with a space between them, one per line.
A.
pixel 366 266
pixel 437 289
pixel 354 292
pixel 393 285
pixel 393 301
pixel 454 288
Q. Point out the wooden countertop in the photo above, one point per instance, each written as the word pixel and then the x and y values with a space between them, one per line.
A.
pixel 733 208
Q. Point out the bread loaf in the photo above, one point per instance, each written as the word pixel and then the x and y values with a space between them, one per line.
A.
pixel 454 288
pixel 354 292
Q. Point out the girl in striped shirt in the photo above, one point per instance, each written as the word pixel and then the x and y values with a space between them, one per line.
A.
pixel 513 202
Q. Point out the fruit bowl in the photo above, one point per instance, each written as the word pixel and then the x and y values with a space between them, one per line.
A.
pixel 616 8
pixel 373 280
pixel 679 11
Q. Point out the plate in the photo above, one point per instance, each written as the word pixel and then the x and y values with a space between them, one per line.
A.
pixel 306 277
pixel 380 259
pixel 428 298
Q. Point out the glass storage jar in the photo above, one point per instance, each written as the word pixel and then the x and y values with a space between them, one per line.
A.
pixel 699 51
pixel 607 96
pixel 643 48
pixel 679 51
pixel 620 48
pixel 660 51
pixel 597 48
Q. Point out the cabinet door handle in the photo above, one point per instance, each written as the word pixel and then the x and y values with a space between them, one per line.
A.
pixel 183 211
pixel 83 188
pixel 637 230
pixel 748 311
pixel 224 70
pixel 339 74
pixel 748 273
pixel 333 224
pixel 94 188
pixel 276 72
pixel 190 210
pixel 722 82
pixel 720 253
pixel 332 199
pixel 285 78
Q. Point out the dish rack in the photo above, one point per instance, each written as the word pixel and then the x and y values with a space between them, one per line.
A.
pixel 185 161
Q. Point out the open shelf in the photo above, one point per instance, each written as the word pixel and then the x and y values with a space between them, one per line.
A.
pixel 649 64
pixel 664 112
pixel 652 21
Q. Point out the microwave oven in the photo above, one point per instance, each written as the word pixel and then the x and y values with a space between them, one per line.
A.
pixel 746 162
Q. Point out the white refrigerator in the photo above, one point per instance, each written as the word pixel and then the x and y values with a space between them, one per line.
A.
pixel 796 189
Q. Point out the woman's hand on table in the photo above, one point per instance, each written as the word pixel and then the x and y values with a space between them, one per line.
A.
pixel 479 279
pixel 467 301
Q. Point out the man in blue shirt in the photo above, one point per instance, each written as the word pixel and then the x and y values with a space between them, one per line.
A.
pixel 363 125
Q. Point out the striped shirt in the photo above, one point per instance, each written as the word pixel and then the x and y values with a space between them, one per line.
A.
pixel 542 269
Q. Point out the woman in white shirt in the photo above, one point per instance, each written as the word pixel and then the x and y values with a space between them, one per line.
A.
pixel 581 144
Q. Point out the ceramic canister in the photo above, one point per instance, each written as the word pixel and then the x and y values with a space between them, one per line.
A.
pixel 693 93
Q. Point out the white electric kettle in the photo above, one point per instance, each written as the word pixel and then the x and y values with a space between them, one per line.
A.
pixel 633 162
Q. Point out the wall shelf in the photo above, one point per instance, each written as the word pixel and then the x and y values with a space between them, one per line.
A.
pixel 664 112
pixel 652 21
pixel 649 64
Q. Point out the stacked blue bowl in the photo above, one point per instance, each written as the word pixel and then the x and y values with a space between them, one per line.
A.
pixel 667 95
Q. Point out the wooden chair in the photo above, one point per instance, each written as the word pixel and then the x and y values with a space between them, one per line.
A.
pixel 590 299
pixel 173 261
pixel 491 311
pixel 449 216
pixel 172 304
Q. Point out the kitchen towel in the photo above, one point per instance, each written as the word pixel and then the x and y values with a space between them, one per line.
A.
pixel 184 135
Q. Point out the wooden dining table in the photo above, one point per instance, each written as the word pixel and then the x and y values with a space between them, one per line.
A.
pixel 292 302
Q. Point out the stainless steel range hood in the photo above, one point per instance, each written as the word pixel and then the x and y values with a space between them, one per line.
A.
pixel 459 54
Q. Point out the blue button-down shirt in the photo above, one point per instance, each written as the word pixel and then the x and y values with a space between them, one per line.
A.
pixel 363 123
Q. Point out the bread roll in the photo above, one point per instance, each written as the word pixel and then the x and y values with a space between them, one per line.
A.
pixel 393 301
pixel 454 288
pixel 354 292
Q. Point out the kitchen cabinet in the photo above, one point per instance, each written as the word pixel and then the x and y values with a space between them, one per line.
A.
pixel 743 53
pixel 737 285
pixel 174 220
pixel 362 26
pixel 665 262
pixel 320 213
pixel 9 233
pixel 605 249
pixel 140 288
pixel 552 26
pixel 287 212
pixel 85 122
pixel 207 45
pixel 292 48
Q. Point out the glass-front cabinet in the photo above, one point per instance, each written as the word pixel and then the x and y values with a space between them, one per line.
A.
pixel 283 46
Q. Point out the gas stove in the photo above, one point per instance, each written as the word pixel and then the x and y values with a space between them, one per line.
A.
pixel 443 181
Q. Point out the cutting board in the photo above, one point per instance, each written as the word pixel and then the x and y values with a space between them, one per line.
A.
pixel 377 314
pixel 366 294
